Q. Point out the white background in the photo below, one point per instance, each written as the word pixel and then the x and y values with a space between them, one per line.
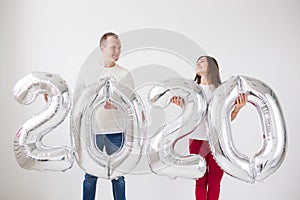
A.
pixel 255 38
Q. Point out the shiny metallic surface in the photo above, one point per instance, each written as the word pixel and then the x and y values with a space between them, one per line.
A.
pixel 89 158
pixel 162 157
pixel 273 150
pixel 29 150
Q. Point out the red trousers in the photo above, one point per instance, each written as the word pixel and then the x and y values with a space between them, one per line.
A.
pixel 208 186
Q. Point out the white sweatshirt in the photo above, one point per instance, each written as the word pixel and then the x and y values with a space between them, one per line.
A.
pixel 201 132
pixel 112 120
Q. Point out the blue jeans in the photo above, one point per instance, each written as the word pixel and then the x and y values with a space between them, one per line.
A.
pixel 112 143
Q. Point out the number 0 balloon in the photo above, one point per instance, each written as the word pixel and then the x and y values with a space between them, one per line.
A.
pixel 89 158
pixel 274 137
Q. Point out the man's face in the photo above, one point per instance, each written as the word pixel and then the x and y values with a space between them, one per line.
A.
pixel 111 49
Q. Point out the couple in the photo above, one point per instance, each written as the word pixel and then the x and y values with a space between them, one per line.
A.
pixel 207 75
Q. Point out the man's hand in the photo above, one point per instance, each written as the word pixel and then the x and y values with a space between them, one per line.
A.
pixel 108 105
pixel 46 98
pixel 177 100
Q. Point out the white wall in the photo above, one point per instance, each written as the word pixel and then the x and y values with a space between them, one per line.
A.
pixel 254 38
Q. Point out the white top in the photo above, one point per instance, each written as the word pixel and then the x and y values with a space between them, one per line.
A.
pixel 201 132
pixel 112 120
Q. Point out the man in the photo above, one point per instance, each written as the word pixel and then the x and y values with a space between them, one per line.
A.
pixel 109 120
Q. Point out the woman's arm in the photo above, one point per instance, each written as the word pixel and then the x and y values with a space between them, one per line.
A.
pixel 240 102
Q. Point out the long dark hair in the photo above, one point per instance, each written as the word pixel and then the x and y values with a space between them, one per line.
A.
pixel 213 71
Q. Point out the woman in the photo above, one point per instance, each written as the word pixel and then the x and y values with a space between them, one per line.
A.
pixel 208 76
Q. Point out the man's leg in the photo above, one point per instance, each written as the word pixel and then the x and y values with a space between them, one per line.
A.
pixel 118 185
pixel 113 144
pixel 89 187
pixel 90 181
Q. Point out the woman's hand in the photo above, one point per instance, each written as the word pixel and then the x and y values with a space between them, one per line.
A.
pixel 240 102
pixel 177 100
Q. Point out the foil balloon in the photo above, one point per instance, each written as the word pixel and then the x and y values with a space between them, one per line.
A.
pixel 84 131
pixel 29 150
pixel 162 157
pixel 272 152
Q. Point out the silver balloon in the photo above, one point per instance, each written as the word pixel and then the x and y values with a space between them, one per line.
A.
pixel 89 158
pixel 162 157
pixel 272 153
pixel 29 150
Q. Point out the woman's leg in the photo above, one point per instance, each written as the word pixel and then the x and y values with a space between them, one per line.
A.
pixel 215 174
pixel 198 147
pixel 201 187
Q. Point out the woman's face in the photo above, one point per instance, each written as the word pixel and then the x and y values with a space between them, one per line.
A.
pixel 202 66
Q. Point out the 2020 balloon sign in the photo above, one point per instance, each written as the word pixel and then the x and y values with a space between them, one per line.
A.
pixel 163 160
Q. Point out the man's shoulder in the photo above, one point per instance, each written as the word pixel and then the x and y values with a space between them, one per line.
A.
pixel 122 71
pixel 121 68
